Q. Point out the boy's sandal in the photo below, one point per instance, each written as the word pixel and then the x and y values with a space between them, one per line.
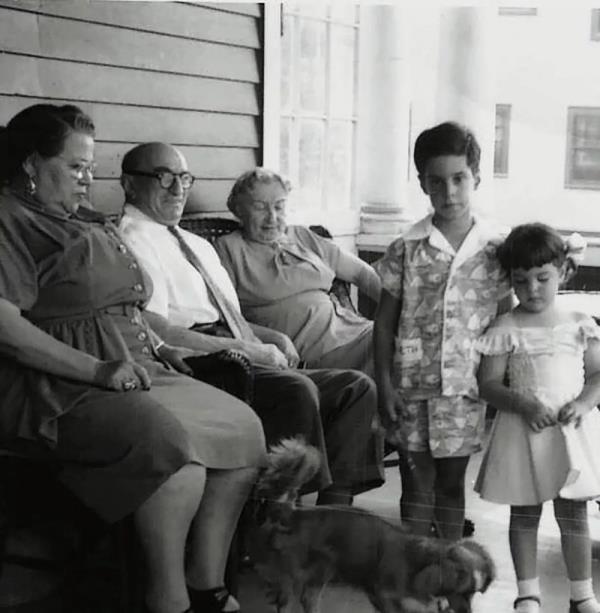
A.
pixel 468 527
pixel 210 601
pixel 574 604
pixel 524 598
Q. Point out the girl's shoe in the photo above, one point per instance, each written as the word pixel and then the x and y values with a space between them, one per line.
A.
pixel 217 600
pixel 527 599
pixel 574 605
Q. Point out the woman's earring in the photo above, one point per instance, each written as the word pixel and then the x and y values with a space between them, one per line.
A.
pixel 31 186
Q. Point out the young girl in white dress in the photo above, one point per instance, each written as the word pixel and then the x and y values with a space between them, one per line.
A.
pixel 541 369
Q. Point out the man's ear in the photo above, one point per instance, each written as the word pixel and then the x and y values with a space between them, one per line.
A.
pixel 477 180
pixel 128 187
pixel 422 184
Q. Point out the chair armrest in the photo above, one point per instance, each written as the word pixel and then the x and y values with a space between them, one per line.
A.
pixel 339 289
pixel 228 370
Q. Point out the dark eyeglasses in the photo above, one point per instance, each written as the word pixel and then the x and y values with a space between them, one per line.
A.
pixel 166 178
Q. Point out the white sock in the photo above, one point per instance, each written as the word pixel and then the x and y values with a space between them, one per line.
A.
pixel 583 591
pixel 528 587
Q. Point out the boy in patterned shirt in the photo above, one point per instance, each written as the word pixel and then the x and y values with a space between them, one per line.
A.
pixel 441 287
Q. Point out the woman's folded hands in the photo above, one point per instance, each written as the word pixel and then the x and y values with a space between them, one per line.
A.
pixel 121 376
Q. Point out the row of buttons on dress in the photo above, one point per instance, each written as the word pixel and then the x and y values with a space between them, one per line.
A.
pixel 142 335
pixel 136 320
pixel 122 248
pixel 133 265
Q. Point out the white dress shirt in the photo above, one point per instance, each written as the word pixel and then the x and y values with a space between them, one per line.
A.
pixel 180 294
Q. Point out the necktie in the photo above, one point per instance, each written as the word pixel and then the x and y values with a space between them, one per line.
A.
pixel 231 316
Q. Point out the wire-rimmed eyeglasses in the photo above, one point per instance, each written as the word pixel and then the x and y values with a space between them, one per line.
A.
pixel 166 178
pixel 82 170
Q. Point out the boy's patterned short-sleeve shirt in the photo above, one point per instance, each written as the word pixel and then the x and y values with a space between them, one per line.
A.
pixel 448 299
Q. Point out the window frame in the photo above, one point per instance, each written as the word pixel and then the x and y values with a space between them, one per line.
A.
pixel 505 143
pixel 572 113
pixel 326 210
pixel 517 11
pixel 595 24
pixel 271 132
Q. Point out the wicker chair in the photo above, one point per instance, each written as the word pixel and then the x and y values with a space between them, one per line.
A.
pixel 211 228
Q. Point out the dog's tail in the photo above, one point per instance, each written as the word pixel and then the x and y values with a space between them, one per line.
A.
pixel 291 463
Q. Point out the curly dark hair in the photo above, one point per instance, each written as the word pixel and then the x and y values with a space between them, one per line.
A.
pixel 42 129
pixel 448 138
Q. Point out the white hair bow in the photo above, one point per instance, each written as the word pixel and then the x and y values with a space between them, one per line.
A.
pixel 575 246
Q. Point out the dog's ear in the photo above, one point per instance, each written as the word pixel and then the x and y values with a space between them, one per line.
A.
pixel 475 567
pixel 435 579
pixel 485 563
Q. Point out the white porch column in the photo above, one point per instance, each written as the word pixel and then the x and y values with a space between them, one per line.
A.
pixel 465 82
pixel 383 113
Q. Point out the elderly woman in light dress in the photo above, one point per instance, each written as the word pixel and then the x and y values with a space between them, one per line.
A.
pixel 283 274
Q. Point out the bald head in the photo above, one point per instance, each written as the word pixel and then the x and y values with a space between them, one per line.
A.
pixel 147 156
pixel 145 172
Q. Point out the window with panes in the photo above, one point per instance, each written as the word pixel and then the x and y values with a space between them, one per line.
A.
pixel 501 141
pixel 583 148
pixel 319 48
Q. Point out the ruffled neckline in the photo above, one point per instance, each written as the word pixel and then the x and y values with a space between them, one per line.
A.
pixel 509 337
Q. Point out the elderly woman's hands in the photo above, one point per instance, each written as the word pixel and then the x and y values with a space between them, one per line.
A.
pixel 121 376
pixel 284 343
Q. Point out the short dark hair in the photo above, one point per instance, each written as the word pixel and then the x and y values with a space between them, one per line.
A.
pixel 246 181
pixel 42 129
pixel 532 245
pixel 448 138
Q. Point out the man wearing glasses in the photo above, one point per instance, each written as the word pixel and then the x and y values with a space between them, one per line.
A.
pixel 195 305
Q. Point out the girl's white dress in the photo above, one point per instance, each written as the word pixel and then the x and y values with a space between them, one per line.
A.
pixel 520 466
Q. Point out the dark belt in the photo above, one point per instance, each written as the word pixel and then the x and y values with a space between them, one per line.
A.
pixel 217 328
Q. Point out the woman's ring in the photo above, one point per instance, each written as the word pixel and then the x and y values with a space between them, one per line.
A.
pixel 129 385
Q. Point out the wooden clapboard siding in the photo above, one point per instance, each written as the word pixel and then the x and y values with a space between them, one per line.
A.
pixel 200 22
pixel 205 162
pixel 53 37
pixel 183 73
pixel 121 123
pixel 77 81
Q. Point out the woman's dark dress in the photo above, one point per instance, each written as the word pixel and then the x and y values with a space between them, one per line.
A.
pixel 74 278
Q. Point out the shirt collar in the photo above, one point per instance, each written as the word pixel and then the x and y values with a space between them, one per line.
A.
pixel 134 213
pixel 479 235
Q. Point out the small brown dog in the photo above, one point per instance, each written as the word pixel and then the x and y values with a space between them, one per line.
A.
pixel 299 550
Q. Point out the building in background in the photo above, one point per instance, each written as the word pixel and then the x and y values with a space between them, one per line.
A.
pixel 332 94
pixel 520 74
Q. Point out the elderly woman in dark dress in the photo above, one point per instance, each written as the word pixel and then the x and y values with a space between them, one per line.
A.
pixel 282 275
pixel 86 381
